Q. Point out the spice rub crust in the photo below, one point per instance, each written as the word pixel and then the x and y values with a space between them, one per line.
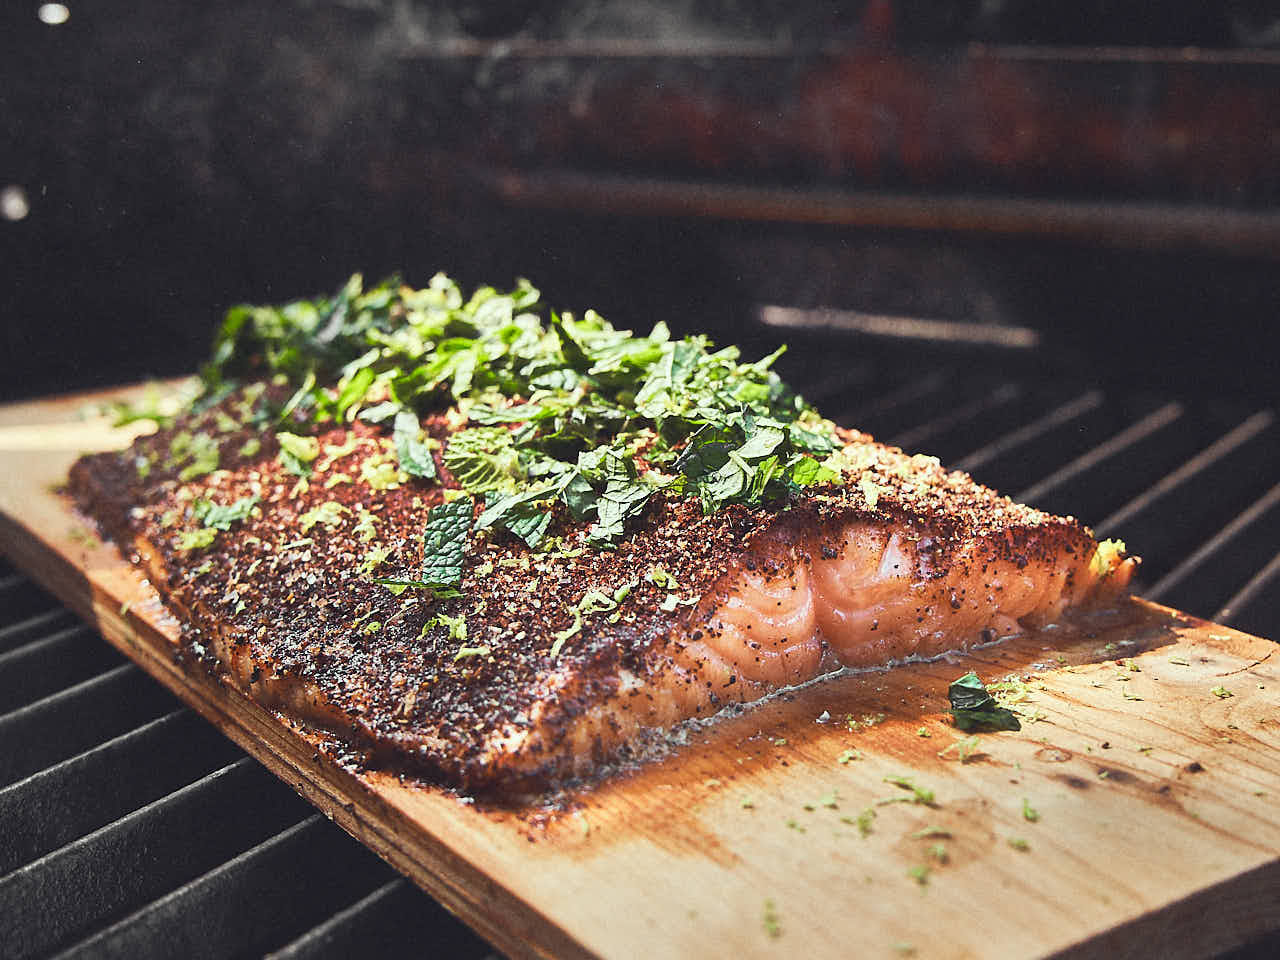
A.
pixel 551 661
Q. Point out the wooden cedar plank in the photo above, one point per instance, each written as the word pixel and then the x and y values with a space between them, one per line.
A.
pixel 1169 850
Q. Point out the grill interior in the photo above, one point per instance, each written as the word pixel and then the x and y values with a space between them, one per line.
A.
pixel 132 828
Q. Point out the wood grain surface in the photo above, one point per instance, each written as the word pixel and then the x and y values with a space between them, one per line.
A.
pixel 1137 812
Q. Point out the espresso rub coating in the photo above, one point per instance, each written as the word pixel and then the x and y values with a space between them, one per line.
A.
pixel 554 660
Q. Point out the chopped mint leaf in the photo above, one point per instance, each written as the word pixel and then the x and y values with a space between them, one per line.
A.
pixel 661 579
pixel 297 453
pixel 197 454
pixel 623 498
pixel 353 393
pixel 561 636
pixel 519 513
pixel 329 513
pixel 973 708
pixel 398 586
pixel 444 542
pixel 221 517
pixel 380 412
pixel 189 540
pixel 415 455
pixel 481 459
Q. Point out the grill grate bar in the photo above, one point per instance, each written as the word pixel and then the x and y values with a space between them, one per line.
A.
pixel 1148 425
pixel 1206 458
pixel 1240 605
pixel 44 666
pixel 1059 416
pixel 72 798
pixel 381 923
pixel 15 635
pixel 250 901
pixel 42 733
pixel 318 940
pixel 65 894
pixel 911 438
pixel 1193 563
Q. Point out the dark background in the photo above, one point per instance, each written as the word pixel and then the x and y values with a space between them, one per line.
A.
pixel 1116 166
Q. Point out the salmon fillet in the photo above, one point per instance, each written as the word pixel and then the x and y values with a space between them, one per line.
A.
pixel 296 563
pixel 764 599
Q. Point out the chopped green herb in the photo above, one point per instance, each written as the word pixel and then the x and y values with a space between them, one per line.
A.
pixel 973 708
pixel 413 451
pixel 444 542
pixel 940 832
pixel 189 540
pixel 862 821
pixel 921 794
pixel 250 447
pixel 939 852
pixel 924 732
pixel 848 756
pixel 1180 661
pixel 297 453
pixel 670 602
pixel 382 472
pixel 373 559
pixel 329 513
pixel 661 579
pixel 1221 692
pixel 457 626
pixel 770 920
pixel 920 874
pixel 222 517
pixel 464 652
pixel 865 721
pixel 199 453
pixel 1018 843
pixel 561 636
pixel 964 748
pixel 364 528
pixel 1029 813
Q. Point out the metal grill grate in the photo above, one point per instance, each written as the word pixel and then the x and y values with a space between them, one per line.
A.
pixel 133 829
